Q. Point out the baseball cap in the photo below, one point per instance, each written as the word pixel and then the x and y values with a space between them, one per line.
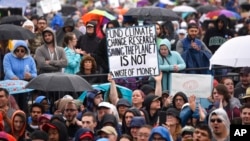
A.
pixel 87 135
pixel 187 130
pixel 108 130
pixel 105 105
pixel 44 116
pixel 48 126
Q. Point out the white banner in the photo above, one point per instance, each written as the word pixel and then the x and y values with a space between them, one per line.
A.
pixel 197 84
pixel 132 51
pixel 50 6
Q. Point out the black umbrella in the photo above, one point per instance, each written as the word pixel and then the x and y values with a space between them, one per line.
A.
pixel 245 6
pixel 68 9
pixel 12 19
pixel 10 31
pixel 60 82
pixel 152 13
pixel 206 8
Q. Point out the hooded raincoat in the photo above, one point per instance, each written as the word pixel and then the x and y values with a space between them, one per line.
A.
pixel 166 63
pixel 16 67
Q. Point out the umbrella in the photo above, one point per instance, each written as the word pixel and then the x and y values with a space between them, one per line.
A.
pixel 125 92
pixel 233 53
pixel 10 31
pixel 206 8
pixel 97 14
pixel 12 19
pixel 68 9
pixel 184 8
pixel 245 6
pixel 213 15
pixel 152 13
pixel 15 86
pixel 59 82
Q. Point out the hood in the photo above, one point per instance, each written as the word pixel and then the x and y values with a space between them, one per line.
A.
pixel 69 22
pixel 109 118
pixel 39 99
pixel 183 95
pixel 29 23
pixel 88 101
pixel 135 112
pixel 148 101
pixel 137 121
pixel 83 132
pixel 48 29
pixel 22 43
pixel 222 114
pixel 23 115
pixel 61 127
pixel 167 43
pixel 224 19
pixel 163 131
pixel 57 21
pixel 115 23
pixel 57 117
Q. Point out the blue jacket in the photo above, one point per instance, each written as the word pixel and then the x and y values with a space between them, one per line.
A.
pixel 74 61
pixel 164 132
pixel 15 67
pixel 166 64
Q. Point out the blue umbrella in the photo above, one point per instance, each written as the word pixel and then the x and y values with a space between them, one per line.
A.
pixel 15 86
pixel 125 92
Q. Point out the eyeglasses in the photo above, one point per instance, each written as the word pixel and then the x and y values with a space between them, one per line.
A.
pixel 20 50
pixel 218 120
pixel 70 110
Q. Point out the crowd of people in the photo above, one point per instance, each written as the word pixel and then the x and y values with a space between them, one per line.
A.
pixel 151 113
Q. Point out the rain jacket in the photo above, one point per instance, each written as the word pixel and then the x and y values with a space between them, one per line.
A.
pixel 166 64
pixel 42 54
pixel 163 131
pixel 21 133
pixel 215 37
pixel 89 42
pixel 16 67
pixel 61 31
pixel 74 60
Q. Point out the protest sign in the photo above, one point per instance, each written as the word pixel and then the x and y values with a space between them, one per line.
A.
pixel 132 51
pixel 50 6
pixel 191 84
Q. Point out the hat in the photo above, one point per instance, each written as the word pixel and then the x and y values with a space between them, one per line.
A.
pixel 182 31
pixel 165 92
pixel 44 116
pixel 247 93
pixel 245 71
pixel 123 102
pixel 87 135
pixel 137 121
pixel 174 112
pixel 104 104
pixel 48 126
pixel 187 130
pixel 108 130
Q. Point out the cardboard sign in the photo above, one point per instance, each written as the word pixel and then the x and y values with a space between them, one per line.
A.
pixel 132 51
pixel 197 84
pixel 50 6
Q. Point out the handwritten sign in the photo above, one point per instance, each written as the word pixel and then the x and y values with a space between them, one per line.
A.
pixel 50 6
pixel 197 84
pixel 132 51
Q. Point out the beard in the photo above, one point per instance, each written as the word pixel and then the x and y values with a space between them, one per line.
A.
pixel 49 42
